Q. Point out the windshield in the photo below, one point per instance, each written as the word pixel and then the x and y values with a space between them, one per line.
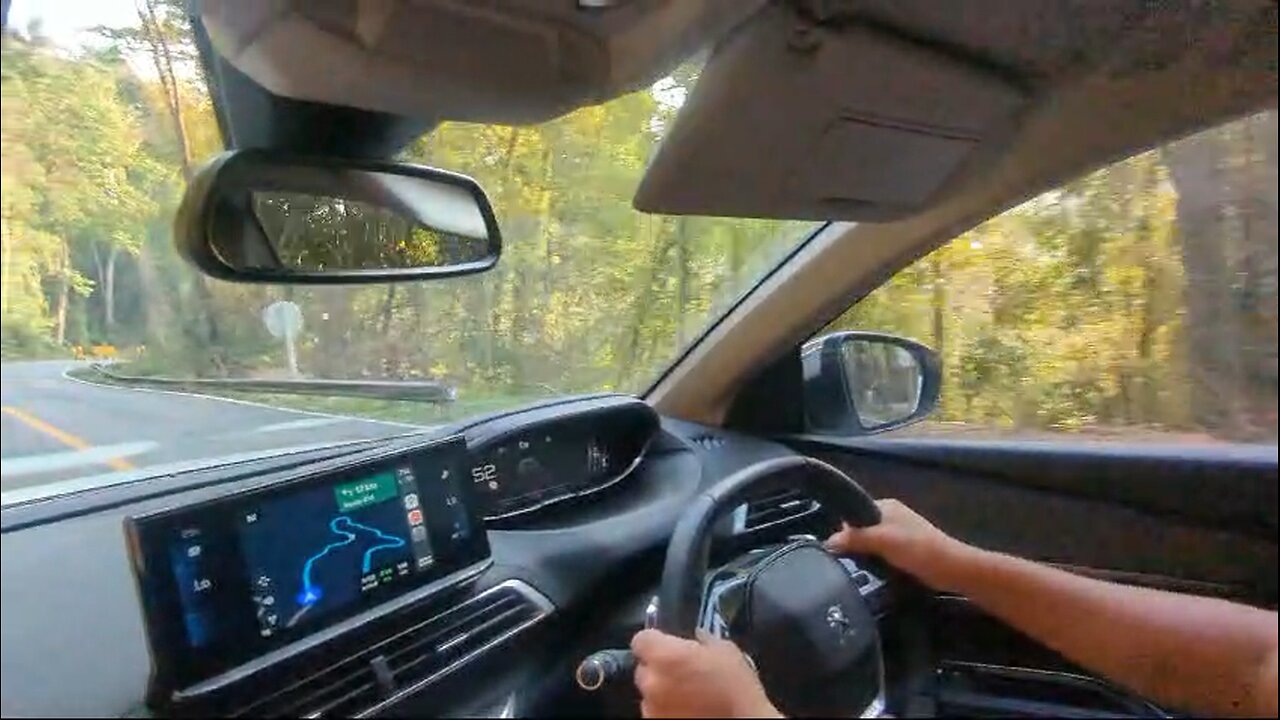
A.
pixel 104 116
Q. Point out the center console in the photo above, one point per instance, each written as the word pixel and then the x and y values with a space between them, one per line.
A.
pixel 252 594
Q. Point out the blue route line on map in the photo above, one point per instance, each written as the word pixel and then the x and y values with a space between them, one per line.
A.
pixel 311 594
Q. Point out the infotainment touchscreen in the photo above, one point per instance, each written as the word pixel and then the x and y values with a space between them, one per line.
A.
pixel 239 575
pixel 312 553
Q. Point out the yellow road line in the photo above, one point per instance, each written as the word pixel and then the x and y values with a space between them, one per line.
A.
pixel 61 436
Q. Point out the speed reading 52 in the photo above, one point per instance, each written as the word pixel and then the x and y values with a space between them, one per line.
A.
pixel 484 473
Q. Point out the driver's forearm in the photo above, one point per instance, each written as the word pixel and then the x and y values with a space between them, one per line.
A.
pixel 1197 654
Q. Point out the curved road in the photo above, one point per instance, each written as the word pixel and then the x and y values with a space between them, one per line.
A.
pixel 55 429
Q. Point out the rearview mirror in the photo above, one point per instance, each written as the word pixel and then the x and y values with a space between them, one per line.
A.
pixel 858 383
pixel 256 216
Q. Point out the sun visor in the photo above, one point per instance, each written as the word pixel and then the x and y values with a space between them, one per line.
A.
pixel 517 62
pixel 800 121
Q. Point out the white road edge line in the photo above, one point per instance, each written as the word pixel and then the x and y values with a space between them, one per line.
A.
pixel 313 413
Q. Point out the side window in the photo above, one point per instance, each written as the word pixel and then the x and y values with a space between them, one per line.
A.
pixel 1137 303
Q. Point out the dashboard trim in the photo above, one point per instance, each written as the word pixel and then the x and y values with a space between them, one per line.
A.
pixel 1099 684
pixel 544 605
pixel 739 516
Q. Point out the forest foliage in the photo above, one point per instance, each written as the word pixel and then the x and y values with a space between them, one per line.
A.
pixel 1140 296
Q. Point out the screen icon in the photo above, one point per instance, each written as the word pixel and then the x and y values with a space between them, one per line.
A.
pixel 193 551
pixel 410 501
pixel 418 533
pixel 415 517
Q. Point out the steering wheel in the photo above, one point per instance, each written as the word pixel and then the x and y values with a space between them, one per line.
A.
pixel 795 609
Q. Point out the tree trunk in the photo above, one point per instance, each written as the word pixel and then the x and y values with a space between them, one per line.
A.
pixel 1148 323
pixel 1255 197
pixel 544 222
pixel 644 299
pixel 682 278
pixel 483 317
pixel 388 304
pixel 1211 339
pixel 109 294
pixel 155 308
pixel 162 58
pixel 938 300
pixel 64 297
pixel 100 274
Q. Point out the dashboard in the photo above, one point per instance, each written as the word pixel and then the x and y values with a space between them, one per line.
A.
pixel 464 571
pixel 264 581
pixel 333 585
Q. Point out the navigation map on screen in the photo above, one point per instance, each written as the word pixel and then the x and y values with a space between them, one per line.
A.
pixel 319 550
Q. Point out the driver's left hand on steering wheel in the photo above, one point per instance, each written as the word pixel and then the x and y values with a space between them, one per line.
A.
pixel 707 677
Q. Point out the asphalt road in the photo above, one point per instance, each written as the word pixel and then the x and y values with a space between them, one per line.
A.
pixel 55 429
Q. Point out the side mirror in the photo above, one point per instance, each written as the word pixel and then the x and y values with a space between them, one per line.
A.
pixel 859 383
pixel 259 216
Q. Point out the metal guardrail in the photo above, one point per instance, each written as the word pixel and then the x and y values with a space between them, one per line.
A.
pixel 410 390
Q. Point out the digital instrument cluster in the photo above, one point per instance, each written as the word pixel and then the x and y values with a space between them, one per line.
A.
pixel 536 464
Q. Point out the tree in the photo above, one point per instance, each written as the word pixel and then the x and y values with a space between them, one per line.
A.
pixel 1142 295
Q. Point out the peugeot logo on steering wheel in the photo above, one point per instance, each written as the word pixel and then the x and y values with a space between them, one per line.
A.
pixel 838 621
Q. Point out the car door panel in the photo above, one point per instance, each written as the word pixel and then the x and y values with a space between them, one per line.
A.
pixel 1131 515
pixel 1143 516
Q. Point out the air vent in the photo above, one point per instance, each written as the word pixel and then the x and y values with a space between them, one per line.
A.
pixel 771 509
pixel 707 441
pixel 411 659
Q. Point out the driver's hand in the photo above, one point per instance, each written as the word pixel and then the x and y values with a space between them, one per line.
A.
pixel 707 677
pixel 906 541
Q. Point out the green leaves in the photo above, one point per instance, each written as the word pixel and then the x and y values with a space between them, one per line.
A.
pixel 1070 311
pixel 1086 308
